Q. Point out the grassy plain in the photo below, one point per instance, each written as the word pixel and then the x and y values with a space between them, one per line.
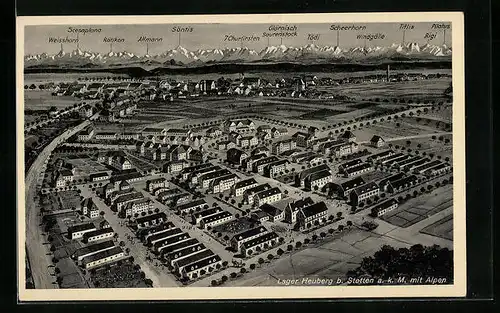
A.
pixel 442 228
pixel 420 208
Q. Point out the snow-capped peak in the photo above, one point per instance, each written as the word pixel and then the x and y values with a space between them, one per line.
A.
pixel 310 51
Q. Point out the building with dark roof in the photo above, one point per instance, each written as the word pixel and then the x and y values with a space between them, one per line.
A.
pixel 224 183
pixel 178 246
pixel 163 235
pixel 311 216
pixel 427 166
pixel 206 179
pixel 188 170
pixel 318 179
pixel 261 243
pixel 403 184
pixel 236 156
pixel 379 157
pixel 216 219
pixel 98 234
pixel 247 235
pixel 151 220
pixel 377 141
pixel 384 183
pixel 300 178
pixel 275 168
pixel 166 242
pixel 77 231
pixel 249 194
pixel 294 207
pixel 192 206
pixel 349 164
pixel 345 188
pixel 79 254
pixel 303 139
pixel 384 207
pixel 267 196
pixel 179 264
pixel 364 192
pixel 348 135
pixel 198 216
pixel 273 212
pixel 102 257
pixel 173 256
pixel 258 166
pixel 240 187
pixel 202 267
pixel 358 169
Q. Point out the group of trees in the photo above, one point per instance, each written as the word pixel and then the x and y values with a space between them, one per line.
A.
pixel 416 261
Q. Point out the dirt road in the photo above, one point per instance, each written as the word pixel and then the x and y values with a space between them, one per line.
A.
pixel 36 251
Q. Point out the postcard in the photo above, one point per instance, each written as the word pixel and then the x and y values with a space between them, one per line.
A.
pixel 277 156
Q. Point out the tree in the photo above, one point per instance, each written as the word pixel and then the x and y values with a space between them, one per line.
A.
pixel 349 223
pixel 213 283
pixel 289 248
pixel 389 262
pixel 270 256
pixel 298 244
pixel 243 270
pixel 101 213
pixel 252 266
pixel 261 261
pixel 223 278
pixel 341 227
pixel 122 243
pixel 339 214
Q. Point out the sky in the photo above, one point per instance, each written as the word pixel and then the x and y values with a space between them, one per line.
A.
pixel 210 36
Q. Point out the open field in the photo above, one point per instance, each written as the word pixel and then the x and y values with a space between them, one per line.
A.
pixel 429 145
pixel 330 259
pixel 418 209
pixel 43 100
pixel 86 166
pixel 442 228
pixel 63 77
pixel 62 200
pixel 444 114
pixel 70 274
pixel 421 89
pixel 390 129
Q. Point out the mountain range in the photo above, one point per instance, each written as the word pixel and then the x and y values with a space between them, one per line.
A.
pixel 183 57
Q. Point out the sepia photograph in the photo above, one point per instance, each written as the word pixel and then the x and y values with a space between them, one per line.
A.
pixel 241 156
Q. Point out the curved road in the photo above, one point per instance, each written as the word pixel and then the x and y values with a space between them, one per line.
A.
pixel 37 251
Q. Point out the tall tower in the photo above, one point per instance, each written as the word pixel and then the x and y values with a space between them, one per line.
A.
pixel 388 73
